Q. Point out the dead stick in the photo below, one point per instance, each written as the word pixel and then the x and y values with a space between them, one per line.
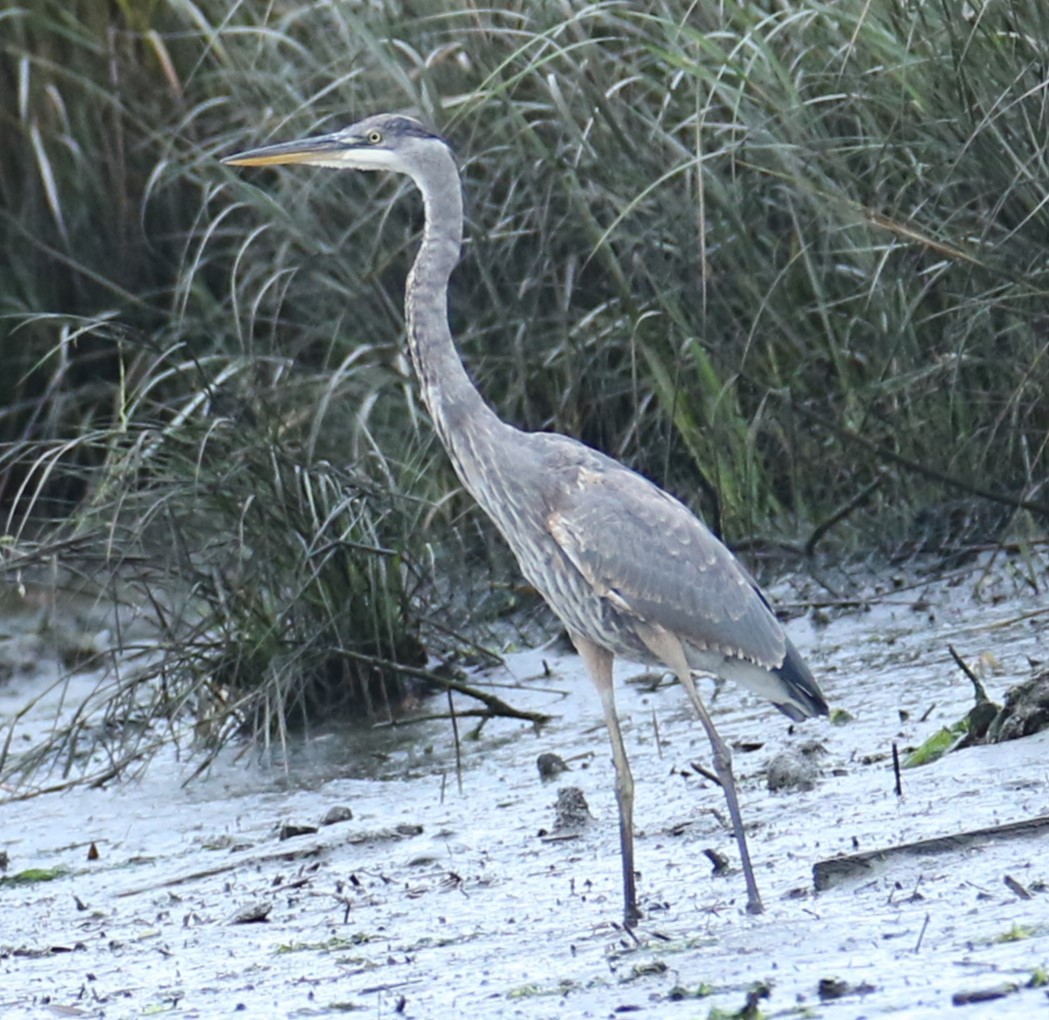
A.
pixel 1015 887
pixel 458 747
pixel 841 513
pixel 981 694
pixel 496 705
pixel 921 934
pixel 705 773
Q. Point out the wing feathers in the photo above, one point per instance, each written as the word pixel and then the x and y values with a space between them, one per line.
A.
pixel 652 558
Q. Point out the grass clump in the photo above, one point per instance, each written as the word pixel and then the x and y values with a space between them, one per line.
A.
pixel 273 583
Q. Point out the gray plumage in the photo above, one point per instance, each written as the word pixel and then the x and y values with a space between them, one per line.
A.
pixel 629 570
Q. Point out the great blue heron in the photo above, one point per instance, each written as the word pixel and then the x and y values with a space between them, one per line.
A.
pixel 629 570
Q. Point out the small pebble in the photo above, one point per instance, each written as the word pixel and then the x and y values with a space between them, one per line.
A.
pixel 253 913
pixel 289 830
pixel 336 814
pixel 550 766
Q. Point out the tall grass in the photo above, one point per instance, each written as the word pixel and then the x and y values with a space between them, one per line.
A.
pixel 773 255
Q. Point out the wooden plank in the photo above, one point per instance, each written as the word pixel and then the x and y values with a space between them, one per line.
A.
pixel 830 872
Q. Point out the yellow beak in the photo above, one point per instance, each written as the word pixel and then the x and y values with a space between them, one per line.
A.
pixel 304 150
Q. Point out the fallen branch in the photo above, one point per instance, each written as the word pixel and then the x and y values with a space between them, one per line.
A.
pixel 836 869
pixel 495 706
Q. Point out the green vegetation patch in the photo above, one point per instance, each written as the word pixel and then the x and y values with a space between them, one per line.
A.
pixel 31 876
pixel 335 944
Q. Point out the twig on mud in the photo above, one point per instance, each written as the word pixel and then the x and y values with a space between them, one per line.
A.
pixel 313 850
pixel 458 746
pixel 286 853
pixel 704 772
pixel 496 706
pixel 921 934
pixel 1016 888
pixel 1002 624
pixel 470 713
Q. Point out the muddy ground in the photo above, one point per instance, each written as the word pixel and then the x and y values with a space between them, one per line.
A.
pixel 434 901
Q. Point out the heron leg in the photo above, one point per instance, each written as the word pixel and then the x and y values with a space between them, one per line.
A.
pixel 668 649
pixel 598 662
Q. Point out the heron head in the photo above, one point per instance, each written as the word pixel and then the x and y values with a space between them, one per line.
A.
pixel 383 142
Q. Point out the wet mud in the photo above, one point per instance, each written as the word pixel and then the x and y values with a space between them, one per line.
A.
pixel 348 879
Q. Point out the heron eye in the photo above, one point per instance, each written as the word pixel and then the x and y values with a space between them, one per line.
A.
pixel 374 137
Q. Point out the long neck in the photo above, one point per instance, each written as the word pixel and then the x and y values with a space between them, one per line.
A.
pixel 462 419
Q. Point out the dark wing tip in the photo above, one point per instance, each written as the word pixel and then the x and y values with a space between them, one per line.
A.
pixel 806 699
